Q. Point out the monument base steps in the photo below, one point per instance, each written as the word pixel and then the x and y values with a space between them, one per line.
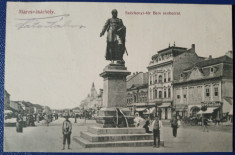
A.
pixel 115 137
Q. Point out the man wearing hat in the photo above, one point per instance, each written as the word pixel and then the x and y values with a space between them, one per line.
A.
pixel 157 124
pixel 66 130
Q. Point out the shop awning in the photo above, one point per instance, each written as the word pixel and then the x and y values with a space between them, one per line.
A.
pixel 208 111
pixel 165 105
pixel 140 109
pixel 150 111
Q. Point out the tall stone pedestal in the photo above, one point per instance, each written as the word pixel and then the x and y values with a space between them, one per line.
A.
pixel 115 124
pixel 114 96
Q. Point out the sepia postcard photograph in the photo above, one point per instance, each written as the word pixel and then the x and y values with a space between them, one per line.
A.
pixel 118 77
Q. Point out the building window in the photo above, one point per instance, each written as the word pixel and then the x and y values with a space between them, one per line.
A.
pixel 169 76
pixel 169 92
pixel 216 91
pixel 185 96
pixel 164 93
pixel 155 93
pixel 160 94
pixel 164 77
pixel 160 79
pixel 155 78
pixel 150 93
pixel 178 96
pixel 212 69
pixel 181 75
pixel 207 92
pixel 135 98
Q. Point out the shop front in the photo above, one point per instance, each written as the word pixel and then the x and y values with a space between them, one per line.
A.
pixel 165 111
pixel 181 110
pixel 213 110
pixel 193 110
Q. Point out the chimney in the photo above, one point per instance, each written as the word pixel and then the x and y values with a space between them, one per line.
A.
pixel 210 57
pixel 193 46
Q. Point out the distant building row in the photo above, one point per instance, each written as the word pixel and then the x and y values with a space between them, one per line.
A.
pixel 21 106
pixel 93 99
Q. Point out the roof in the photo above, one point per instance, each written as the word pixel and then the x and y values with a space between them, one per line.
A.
pixel 172 49
pixel 134 75
pixel 209 62
pixel 138 86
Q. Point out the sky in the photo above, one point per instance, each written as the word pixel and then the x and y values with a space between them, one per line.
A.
pixel 56 66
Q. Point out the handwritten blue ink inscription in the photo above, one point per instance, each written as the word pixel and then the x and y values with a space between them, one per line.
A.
pixel 59 21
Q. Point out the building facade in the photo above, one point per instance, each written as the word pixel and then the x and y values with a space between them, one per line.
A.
pixel 209 82
pixel 137 91
pixel 163 69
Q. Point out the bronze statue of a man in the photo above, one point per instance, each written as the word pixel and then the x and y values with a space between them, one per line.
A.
pixel 115 38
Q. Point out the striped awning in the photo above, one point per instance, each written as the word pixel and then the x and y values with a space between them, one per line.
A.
pixel 208 111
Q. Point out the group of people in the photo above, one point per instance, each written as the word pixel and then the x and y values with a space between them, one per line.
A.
pixel 154 124
pixel 24 120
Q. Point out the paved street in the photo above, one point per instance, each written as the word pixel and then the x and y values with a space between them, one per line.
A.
pixel 49 139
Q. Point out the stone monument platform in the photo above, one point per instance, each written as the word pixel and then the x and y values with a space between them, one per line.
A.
pixel 115 124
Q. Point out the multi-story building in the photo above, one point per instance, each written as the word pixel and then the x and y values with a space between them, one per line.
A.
pixel 163 69
pixel 137 91
pixel 208 82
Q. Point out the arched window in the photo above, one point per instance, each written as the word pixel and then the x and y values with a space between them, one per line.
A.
pixel 164 77
pixel 160 94
pixel 155 78
pixel 164 93
pixel 155 93
pixel 169 76
pixel 150 79
pixel 150 93
pixel 160 79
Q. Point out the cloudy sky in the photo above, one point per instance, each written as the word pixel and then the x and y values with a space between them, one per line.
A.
pixel 56 66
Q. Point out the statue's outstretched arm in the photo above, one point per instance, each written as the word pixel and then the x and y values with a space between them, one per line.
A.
pixel 106 25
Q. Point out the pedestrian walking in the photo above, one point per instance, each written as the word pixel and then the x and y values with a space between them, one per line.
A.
pixel 19 123
pixel 75 121
pixel 38 118
pixel 66 131
pixel 46 118
pixel 205 124
pixel 156 125
pixel 174 125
